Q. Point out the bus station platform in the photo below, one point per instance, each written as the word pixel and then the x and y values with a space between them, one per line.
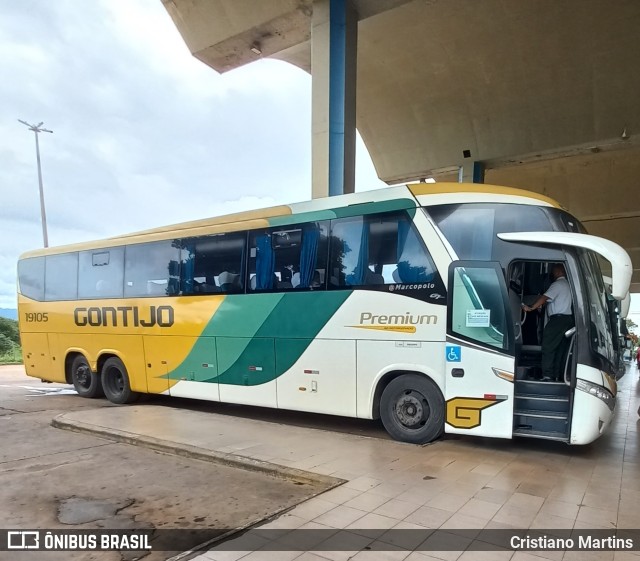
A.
pixel 456 484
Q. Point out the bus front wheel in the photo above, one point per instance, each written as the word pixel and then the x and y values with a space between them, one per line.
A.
pixel 115 382
pixel 85 381
pixel 412 409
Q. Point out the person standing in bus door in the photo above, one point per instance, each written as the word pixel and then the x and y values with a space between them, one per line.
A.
pixel 554 344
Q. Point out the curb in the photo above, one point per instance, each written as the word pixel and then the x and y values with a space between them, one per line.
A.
pixel 188 451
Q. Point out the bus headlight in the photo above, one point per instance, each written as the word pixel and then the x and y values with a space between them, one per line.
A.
pixel 597 391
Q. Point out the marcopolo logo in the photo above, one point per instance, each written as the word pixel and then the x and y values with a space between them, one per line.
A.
pixel 125 316
pixel 421 286
pixel 404 323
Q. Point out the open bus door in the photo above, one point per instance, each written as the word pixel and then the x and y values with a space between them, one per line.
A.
pixel 479 353
pixel 542 406
pixel 545 410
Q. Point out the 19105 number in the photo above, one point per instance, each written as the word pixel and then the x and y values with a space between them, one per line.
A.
pixel 36 317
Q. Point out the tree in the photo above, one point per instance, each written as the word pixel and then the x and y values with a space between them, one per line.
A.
pixel 9 328
pixel 5 344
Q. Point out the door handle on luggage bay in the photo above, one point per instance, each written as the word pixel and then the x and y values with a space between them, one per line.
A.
pixel 457 372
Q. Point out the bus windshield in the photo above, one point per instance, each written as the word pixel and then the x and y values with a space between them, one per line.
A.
pixel 596 306
pixel 471 228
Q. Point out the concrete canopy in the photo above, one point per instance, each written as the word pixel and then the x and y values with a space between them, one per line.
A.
pixel 545 93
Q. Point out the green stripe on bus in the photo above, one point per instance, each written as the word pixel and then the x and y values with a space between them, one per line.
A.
pixel 293 324
pixel 248 329
pixel 345 212
pixel 242 315
pixel 374 208
pixel 315 216
pixel 234 318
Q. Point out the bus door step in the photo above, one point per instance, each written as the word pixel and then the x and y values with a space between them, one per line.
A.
pixel 541 421
pixel 545 435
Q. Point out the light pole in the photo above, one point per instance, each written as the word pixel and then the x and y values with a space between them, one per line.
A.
pixel 37 129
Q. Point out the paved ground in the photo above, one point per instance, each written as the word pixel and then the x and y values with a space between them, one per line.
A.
pixel 457 483
pixel 50 478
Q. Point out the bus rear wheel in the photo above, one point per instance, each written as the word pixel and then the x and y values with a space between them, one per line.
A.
pixel 115 382
pixel 85 381
pixel 412 409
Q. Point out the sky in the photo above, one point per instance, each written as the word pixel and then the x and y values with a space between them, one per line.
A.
pixel 144 134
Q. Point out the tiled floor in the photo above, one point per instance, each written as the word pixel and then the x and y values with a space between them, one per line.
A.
pixel 457 483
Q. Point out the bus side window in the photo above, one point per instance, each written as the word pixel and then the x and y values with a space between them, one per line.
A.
pixel 31 277
pixel 61 277
pixel 213 264
pixel 413 262
pixel 101 273
pixel 377 250
pixel 289 257
pixel 151 269
pixel 478 312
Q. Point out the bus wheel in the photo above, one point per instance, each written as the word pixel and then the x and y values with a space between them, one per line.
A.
pixel 115 382
pixel 85 382
pixel 412 409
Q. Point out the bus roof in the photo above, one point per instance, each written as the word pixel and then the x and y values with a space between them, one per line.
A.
pixel 379 200
pixel 483 190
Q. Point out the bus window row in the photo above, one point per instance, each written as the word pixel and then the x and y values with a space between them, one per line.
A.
pixel 343 253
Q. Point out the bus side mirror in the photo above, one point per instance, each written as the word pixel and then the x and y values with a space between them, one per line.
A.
pixel 569 332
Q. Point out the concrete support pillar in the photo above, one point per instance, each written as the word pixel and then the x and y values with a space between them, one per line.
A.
pixel 334 38
pixel 471 172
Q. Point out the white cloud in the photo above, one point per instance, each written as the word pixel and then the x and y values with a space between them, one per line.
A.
pixel 144 134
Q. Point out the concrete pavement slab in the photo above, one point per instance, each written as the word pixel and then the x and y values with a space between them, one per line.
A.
pixel 479 482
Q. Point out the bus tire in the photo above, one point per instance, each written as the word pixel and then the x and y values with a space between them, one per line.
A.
pixel 85 381
pixel 412 409
pixel 115 382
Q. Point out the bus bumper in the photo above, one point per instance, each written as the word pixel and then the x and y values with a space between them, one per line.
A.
pixel 590 419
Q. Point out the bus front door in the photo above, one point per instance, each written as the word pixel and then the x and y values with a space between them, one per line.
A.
pixel 479 352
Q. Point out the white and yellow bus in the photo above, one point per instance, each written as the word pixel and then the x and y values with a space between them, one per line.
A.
pixel 402 304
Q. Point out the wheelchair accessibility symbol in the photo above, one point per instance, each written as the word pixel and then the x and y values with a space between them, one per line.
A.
pixel 453 354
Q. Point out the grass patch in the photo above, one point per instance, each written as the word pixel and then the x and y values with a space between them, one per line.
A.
pixel 13 356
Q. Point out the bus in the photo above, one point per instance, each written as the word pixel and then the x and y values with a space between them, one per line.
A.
pixel 402 304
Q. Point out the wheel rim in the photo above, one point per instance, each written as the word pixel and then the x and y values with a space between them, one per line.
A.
pixel 119 382
pixel 83 376
pixel 115 381
pixel 411 409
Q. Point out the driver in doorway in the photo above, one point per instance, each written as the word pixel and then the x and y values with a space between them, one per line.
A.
pixel 560 319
